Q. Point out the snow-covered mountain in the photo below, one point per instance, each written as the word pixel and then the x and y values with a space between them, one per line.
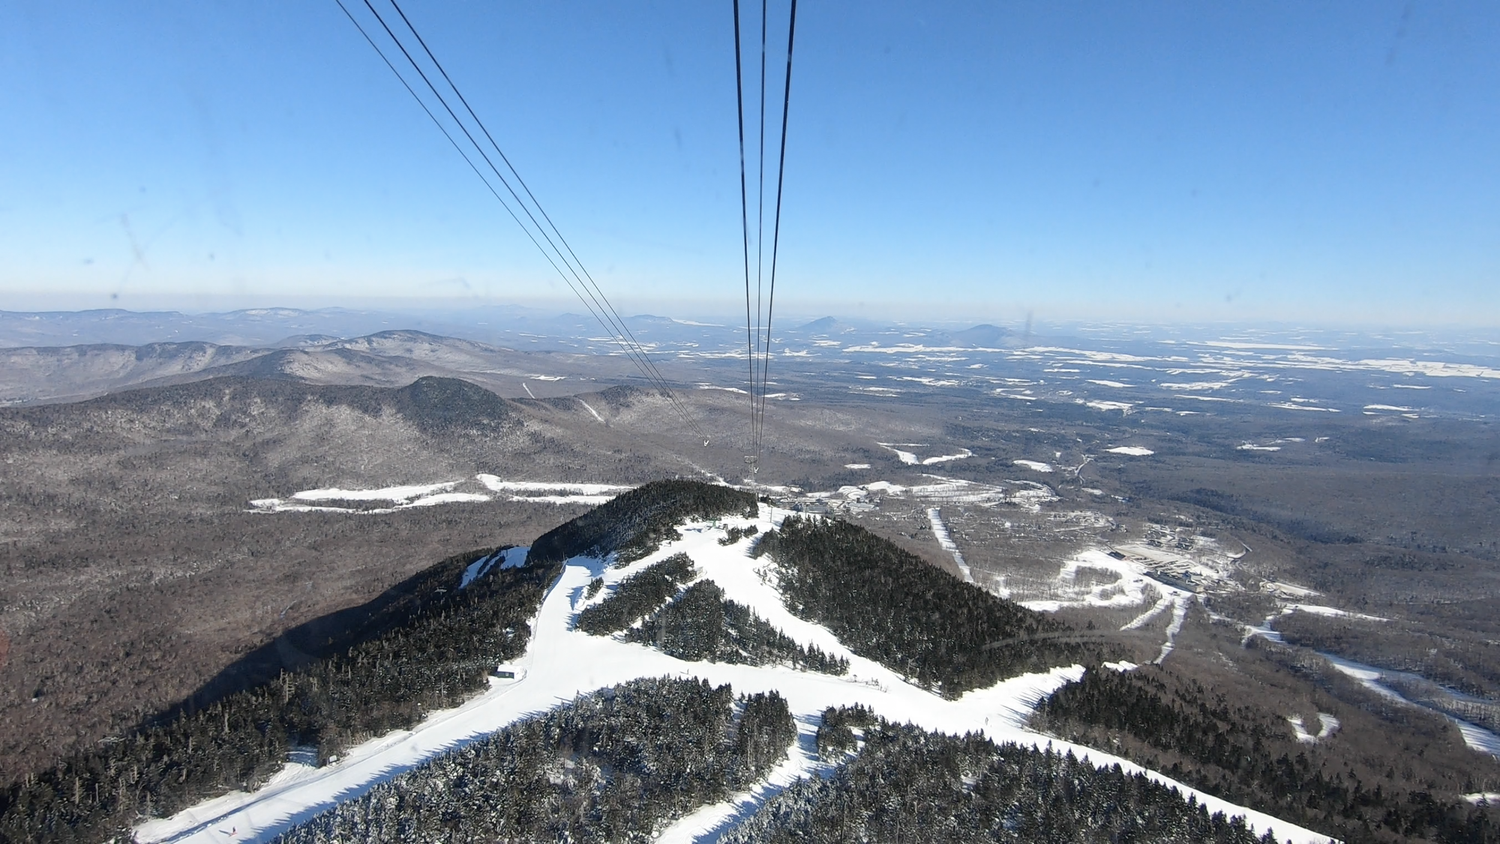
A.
pixel 562 663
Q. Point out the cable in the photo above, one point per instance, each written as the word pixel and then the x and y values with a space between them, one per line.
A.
pixel 600 307
pixel 759 335
pixel 616 321
pixel 752 340
pixel 760 218
pixel 786 104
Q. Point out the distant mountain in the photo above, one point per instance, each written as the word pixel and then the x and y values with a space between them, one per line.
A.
pixel 984 336
pixel 253 327
pixel 825 325
pixel 302 341
pixel 41 374
pixel 51 373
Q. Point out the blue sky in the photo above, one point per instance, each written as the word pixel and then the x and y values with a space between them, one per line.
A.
pixel 1307 162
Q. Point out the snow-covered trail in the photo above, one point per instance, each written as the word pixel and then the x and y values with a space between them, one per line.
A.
pixel 1475 736
pixel 1179 615
pixel 593 411
pixel 709 823
pixel 562 663
pixel 945 539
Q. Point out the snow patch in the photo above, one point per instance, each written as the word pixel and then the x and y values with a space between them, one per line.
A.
pixel 1328 725
pixel 552 492
pixel 390 493
pixel 1131 450
pixel 911 459
pixel 1033 465
pixel 940 531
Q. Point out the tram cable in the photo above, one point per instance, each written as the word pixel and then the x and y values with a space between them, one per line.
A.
pixel 591 295
pixel 758 333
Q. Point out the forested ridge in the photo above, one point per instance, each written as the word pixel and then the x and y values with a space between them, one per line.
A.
pixel 635 523
pixel 907 784
pixel 890 606
pixel 1243 753
pixel 613 765
pixel 438 657
pixel 635 596
pixel 702 626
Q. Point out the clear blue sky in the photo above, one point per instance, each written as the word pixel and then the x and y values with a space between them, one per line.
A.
pixel 1313 162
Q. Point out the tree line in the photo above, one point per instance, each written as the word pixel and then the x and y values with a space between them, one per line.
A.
pixel 702 626
pixel 908 785
pixel 1243 753
pixel 891 606
pixel 436 658
pixel 617 764
pixel 636 595
pixel 634 524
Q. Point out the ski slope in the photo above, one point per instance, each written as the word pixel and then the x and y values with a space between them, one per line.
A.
pixel 562 663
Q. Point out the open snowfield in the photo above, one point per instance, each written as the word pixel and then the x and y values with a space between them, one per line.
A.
pixel 332 500
pixel 562 663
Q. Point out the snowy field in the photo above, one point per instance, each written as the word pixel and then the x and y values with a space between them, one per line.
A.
pixel 562 663
pixel 334 500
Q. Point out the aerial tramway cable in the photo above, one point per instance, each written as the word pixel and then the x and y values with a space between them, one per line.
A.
pixel 592 296
pixel 588 279
pixel 786 104
pixel 758 334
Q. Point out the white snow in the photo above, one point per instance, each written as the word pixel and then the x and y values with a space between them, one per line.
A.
pixel 940 531
pixel 1195 385
pixel 450 498
pixel 591 410
pixel 911 459
pixel 1483 797
pixel 1332 612
pixel 510 558
pixel 562 663
pixel 1475 736
pixel 1245 344
pixel 1179 615
pixel 1033 465
pixel 1328 725
pixel 1131 450
pixel 552 492
pixel 708 823
pixel 335 500
pixel 856 465
pixel 1254 447
pixel 390 493
pixel 1288 589
pixel 1396 408
pixel 1128 589
pixel 1122 406
pixel 401 497
pixel 1292 405
pixel 1115 384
